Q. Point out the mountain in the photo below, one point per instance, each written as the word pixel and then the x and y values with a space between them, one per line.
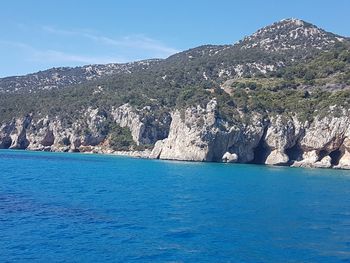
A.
pixel 280 96
pixel 267 50
pixel 66 76
pixel 291 34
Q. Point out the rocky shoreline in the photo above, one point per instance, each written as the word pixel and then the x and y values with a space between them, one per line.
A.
pixel 194 134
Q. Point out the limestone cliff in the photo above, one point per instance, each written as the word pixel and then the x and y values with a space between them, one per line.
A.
pixel 90 133
pixel 198 134
pixel 193 134
pixel 145 127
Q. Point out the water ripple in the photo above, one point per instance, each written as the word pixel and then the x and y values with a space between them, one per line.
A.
pixel 65 207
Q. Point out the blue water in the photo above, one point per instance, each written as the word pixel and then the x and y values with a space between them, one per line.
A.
pixel 58 207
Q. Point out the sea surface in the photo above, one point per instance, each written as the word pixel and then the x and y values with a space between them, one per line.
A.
pixel 57 207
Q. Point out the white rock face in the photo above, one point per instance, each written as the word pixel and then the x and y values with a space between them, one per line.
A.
pixel 326 162
pixel 282 134
pixel 195 134
pixel 247 139
pixel 18 134
pixel 126 117
pixel 5 134
pixel 87 134
pixel 277 158
pixel 145 128
pixel 198 135
pixel 95 122
pixel 344 161
pixel 229 157
pixel 326 134
pixel 309 159
pixel 187 136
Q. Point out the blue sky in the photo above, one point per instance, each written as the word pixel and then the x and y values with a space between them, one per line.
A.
pixel 37 34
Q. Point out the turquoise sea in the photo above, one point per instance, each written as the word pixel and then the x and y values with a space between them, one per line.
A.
pixel 57 207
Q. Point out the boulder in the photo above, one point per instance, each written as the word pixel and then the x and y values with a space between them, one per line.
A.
pixel 229 157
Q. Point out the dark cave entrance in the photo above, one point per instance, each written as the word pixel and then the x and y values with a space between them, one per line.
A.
pixel 261 152
pixel 335 156
pixel 6 143
pixel 322 154
pixel 294 153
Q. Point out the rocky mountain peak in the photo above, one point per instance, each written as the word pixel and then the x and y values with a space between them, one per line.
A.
pixel 293 21
pixel 290 34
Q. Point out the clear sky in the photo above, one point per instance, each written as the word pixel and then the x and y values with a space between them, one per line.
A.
pixel 39 34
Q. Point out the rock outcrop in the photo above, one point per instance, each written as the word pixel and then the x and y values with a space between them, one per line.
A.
pixel 90 133
pixel 229 157
pixel 144 126
pixel 198 134
pixel 189 135
pixel 344 159
pixel 18 134
pixel 282 134
pixel 194 134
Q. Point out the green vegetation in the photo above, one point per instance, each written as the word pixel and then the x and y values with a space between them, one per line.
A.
pixel 120 138
pixel 192 96
pixel 289 102
pixel 332 66
pixel 180 82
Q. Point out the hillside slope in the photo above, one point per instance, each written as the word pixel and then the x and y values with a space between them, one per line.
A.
pixel 280 96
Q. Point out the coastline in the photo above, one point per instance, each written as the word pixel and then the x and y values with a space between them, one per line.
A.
pixel 147 154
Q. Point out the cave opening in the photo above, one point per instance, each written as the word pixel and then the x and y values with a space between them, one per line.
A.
pixel 66 141
pixel 335 156
pixel 322 154
pixel 261 152
pixel 294 153
pixel 6 143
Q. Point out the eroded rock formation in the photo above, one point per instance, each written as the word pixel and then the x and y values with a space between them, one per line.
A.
pixel 194 134
pixel 281 140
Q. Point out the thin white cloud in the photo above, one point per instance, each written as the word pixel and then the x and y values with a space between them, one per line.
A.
pixel 58 56
pixel 15 44
pixel 112 50
pixel 140 42
pixel 55 56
